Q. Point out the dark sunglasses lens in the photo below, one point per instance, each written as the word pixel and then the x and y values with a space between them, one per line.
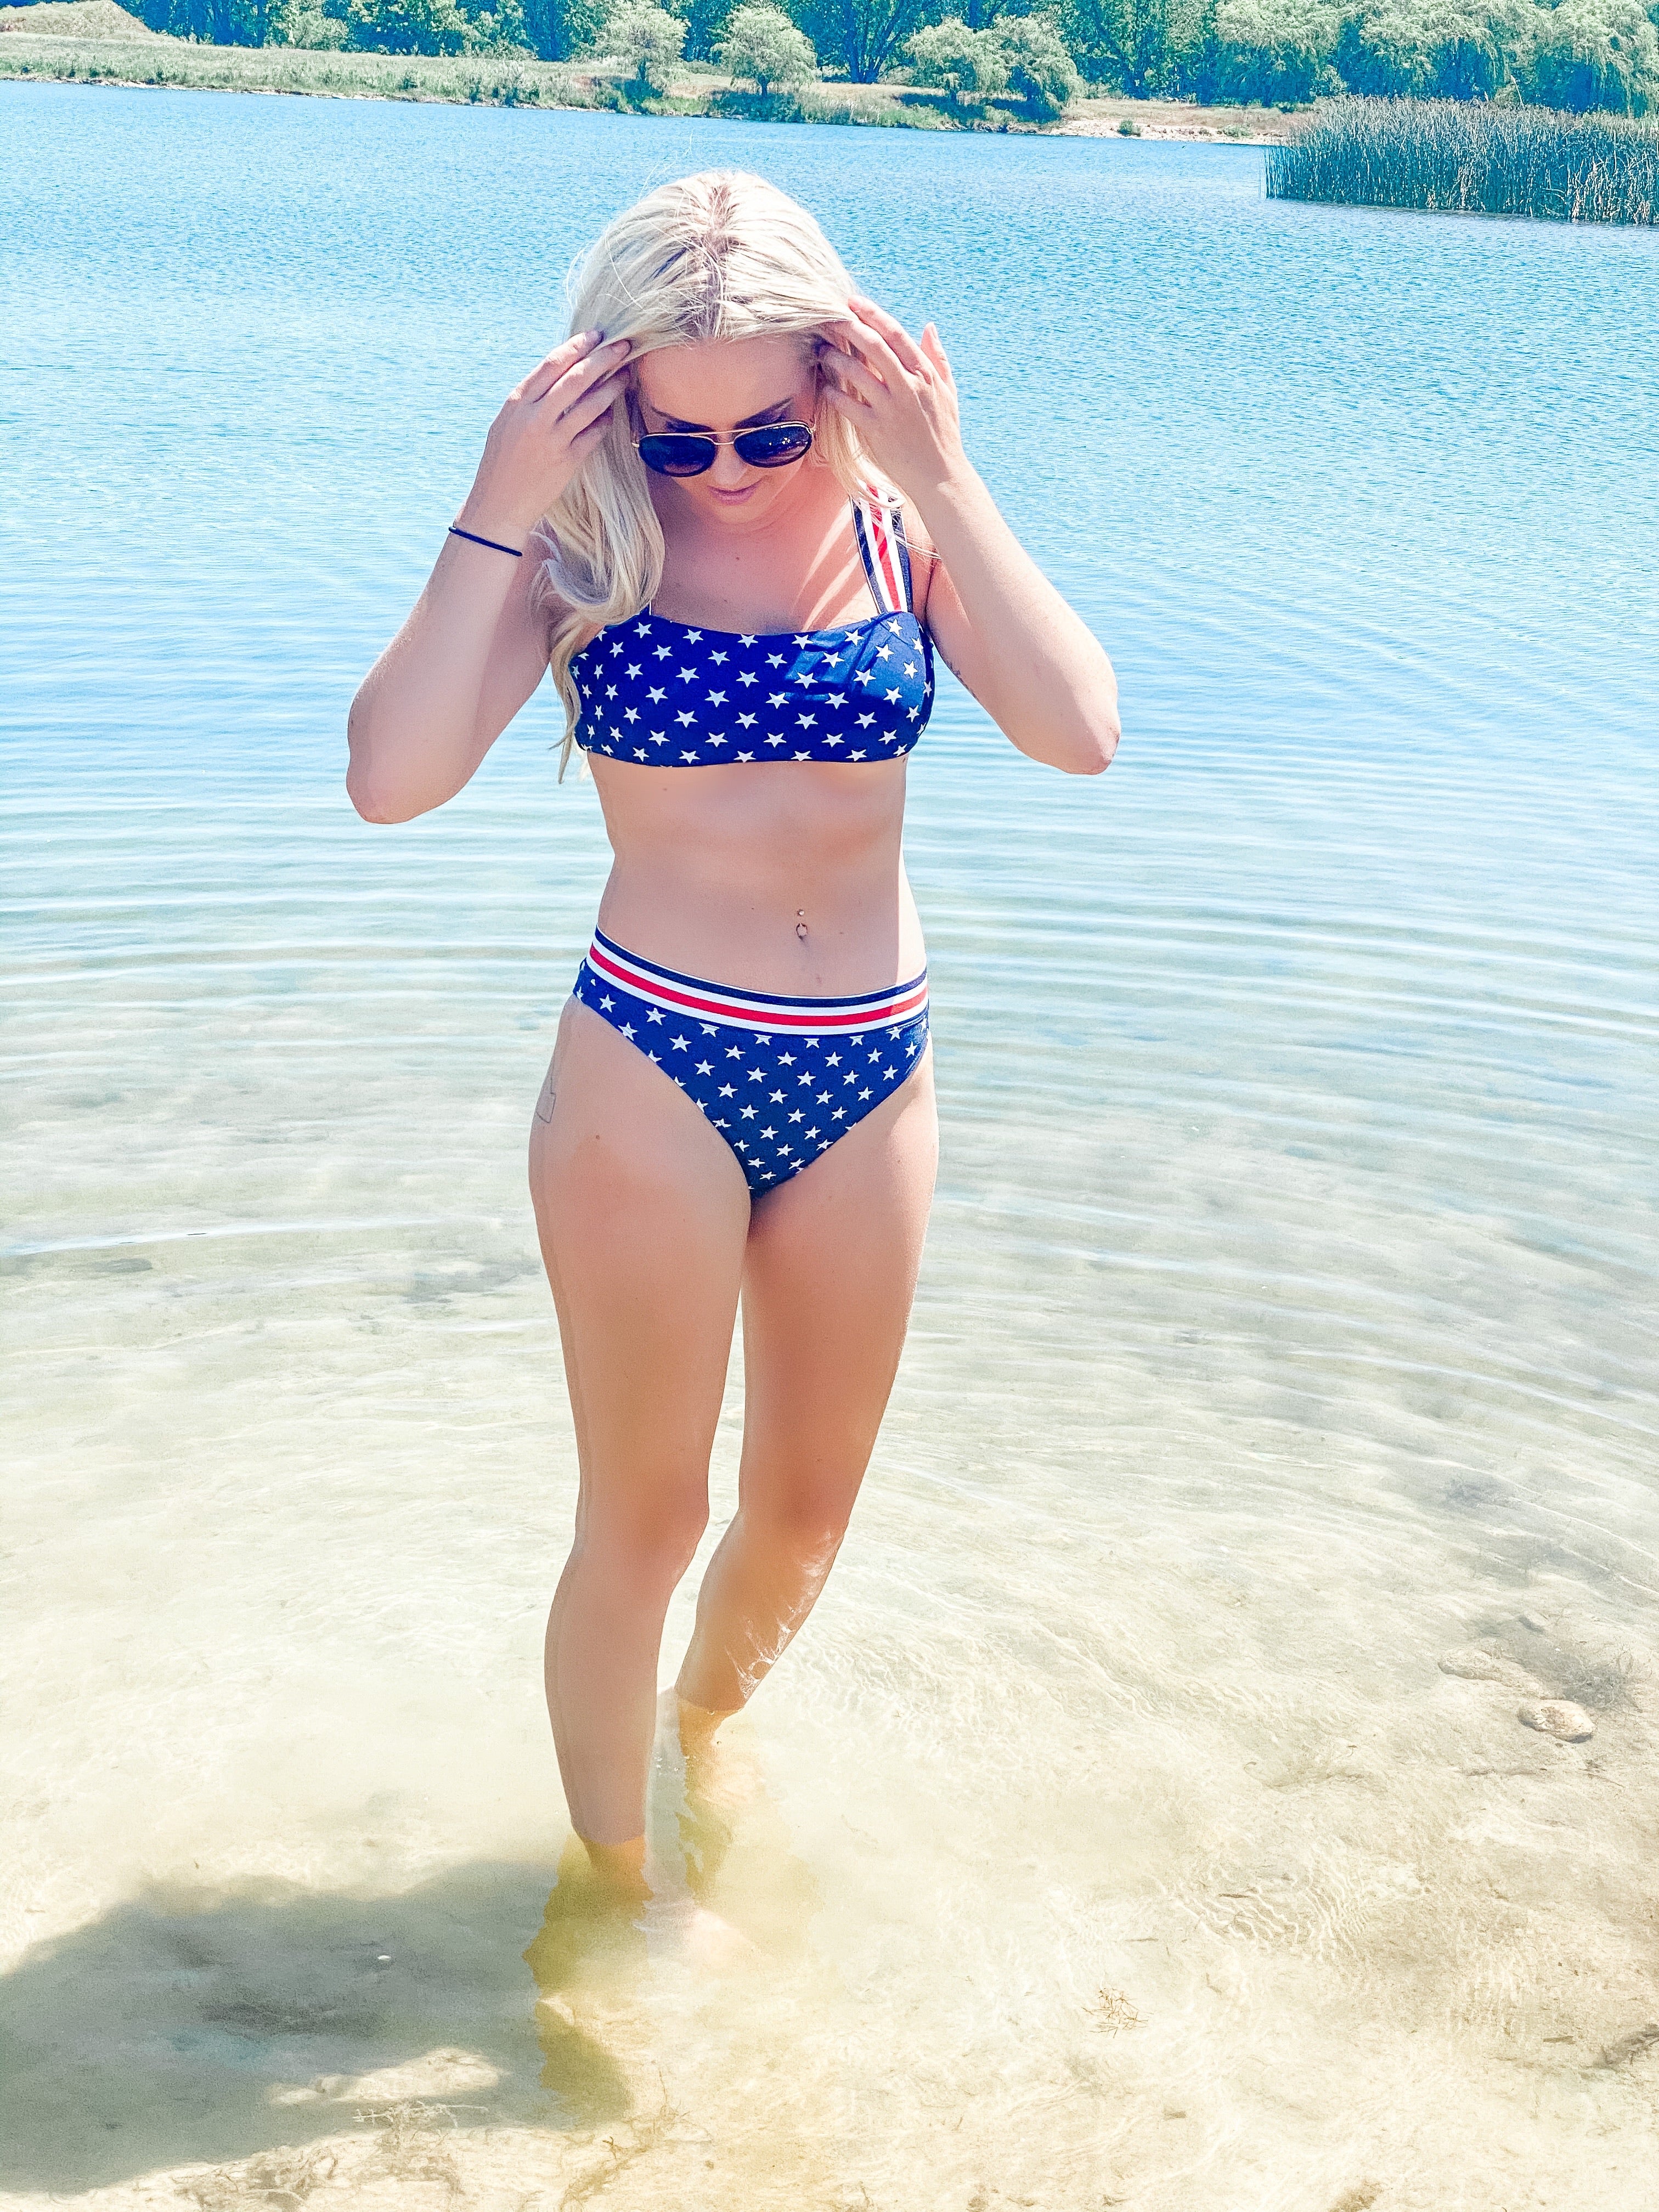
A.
pixel 774 444
pixel 677 454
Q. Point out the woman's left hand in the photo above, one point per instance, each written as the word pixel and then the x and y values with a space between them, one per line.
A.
pixel 900 397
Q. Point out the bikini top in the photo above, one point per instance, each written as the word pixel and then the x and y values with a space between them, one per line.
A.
pixel 673 697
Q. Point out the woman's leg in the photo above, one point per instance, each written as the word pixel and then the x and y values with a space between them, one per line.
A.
pixel 831 1270
pixel 643 1214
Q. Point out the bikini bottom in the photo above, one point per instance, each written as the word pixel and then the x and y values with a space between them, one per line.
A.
pixel 780 1078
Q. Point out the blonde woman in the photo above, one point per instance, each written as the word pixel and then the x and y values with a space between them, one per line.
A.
pixel 733 516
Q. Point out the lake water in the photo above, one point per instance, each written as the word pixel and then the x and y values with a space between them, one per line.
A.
pixel 1112 1835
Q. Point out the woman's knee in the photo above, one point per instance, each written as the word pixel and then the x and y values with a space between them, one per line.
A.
pixel 646 1546
pixel 804 1522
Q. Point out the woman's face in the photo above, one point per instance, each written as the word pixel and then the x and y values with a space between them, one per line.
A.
pixel 735 384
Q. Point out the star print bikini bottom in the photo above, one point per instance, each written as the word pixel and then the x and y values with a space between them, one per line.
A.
pixel 780 1078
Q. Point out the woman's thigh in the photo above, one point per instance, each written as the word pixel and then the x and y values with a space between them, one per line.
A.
pixel 832 1271
pixel 643 1215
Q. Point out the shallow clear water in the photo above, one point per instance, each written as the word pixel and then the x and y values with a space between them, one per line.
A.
pixel 1112 1835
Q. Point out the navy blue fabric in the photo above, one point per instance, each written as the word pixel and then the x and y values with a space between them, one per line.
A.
pixel 778 1101
pixel 673 697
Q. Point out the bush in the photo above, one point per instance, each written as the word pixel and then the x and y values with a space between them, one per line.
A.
pixel 763 46
pixel 958 60
pixel 1042 75
pixel 649 39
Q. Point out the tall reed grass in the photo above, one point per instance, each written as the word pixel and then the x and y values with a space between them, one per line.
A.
pixel 1471 159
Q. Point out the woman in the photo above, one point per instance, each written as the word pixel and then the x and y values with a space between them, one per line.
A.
pixel 734 516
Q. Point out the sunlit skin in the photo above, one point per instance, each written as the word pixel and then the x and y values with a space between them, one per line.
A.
pixel 771 877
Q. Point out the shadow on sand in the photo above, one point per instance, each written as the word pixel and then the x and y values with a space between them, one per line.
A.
pixel 186 2027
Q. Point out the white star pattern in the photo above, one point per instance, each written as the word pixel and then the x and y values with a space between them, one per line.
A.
pixel 891 649
pixel 771 1151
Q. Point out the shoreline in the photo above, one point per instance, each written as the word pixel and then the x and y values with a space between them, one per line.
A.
pixel 161 64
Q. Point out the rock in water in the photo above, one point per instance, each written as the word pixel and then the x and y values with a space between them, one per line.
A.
pixel 1474 1665
pixel 1555 1716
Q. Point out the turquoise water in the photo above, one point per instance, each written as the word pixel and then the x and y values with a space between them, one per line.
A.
pixel 1112 1835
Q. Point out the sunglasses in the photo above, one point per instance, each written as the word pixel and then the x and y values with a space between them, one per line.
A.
pixel 691 453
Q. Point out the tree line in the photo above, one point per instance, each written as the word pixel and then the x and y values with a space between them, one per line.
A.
pixel 1579 55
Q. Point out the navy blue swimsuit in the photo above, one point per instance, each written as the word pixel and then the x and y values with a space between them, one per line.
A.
pixel 781 1079
pixel 663 693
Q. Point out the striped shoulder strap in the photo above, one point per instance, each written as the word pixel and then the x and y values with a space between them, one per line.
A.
pixel 879 525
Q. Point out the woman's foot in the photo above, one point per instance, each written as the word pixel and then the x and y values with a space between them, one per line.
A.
pixel 697 1726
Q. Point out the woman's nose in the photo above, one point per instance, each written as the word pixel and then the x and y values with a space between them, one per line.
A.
pixel 729 473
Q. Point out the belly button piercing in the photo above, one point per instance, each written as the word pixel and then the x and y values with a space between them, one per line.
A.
pixel 801 926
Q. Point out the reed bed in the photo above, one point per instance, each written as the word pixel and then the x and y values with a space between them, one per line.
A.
pixel 1471 158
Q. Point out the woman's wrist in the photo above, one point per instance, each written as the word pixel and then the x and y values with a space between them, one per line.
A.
pixel 953 496
pixel 498 519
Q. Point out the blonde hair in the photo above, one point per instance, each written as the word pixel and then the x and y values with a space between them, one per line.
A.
pixel 719 256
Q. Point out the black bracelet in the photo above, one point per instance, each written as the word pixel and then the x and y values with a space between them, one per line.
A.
pixel 456 530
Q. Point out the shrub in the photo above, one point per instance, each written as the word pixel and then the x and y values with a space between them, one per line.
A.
pixel 763 46
pixel 1042 75
pixel 649 39
pixel 958 60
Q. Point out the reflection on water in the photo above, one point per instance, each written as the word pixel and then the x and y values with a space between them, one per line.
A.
pixel 1145 1816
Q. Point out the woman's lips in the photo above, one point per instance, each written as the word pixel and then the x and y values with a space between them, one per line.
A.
pixel 732 498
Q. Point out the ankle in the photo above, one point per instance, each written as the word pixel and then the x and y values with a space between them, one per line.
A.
pixel 620 1868
pixel 697 1725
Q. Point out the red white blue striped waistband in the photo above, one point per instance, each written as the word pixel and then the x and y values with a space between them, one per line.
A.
pixel 689 996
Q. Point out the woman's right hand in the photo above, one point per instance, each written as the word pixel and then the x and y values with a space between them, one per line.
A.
pixel 548 426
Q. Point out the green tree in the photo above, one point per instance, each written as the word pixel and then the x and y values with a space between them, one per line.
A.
pixel 1433 49
pixel 961 61
pixel 763 45
pixel 1041 73
pixel 405 27
pixel 559 30
pixel 1126 44
pixel 1276 52
pixel 859 37
pixel 648 37
pixel 303 23
pixel 1595 53
pixel 217 22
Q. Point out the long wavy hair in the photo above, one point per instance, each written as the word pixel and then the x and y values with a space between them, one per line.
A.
pixel 719 256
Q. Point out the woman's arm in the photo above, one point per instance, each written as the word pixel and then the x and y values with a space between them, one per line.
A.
pixel 475 647
pixel 1034 667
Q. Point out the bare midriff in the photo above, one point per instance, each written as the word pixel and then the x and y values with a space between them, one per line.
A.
pixel 778 875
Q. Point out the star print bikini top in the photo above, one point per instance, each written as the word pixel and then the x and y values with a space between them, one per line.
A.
pixel 673 697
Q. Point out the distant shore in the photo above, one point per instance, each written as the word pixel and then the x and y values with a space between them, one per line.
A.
pixel 519 81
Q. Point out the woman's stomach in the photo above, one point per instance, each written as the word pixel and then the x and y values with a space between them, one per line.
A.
pixel 776 877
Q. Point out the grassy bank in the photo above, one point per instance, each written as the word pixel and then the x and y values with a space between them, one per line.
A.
pixel 93 42
pixel 1472 158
